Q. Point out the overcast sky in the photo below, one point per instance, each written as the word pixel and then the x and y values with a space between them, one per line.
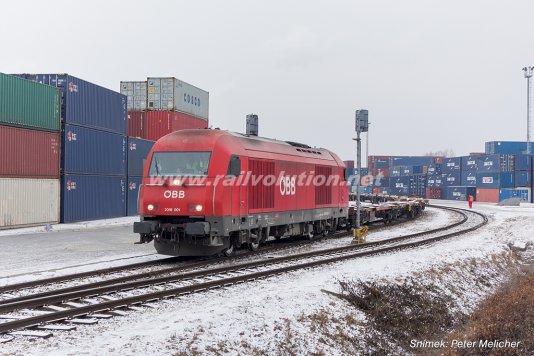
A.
pixel 434 75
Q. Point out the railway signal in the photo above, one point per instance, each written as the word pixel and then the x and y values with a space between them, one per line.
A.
pixel 362 125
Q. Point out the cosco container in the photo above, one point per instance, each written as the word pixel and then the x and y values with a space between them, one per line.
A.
pixel 488 195
pixel 174 94
pixel 134 183
pixel 525 194
pixel 451 164
pixel 523 162
pixel 507 147
pixel 469 164
pixel 135 93
pixel 25 202
pixel 90 151
pixel 28 104
pixel 86 104
pixel 29 153
pixel 496 163
pixel 523 178
pixel 469 179
pixel 495 180
pixel 460 193
pixel 91 197
pixel 138 150
pixel 452 179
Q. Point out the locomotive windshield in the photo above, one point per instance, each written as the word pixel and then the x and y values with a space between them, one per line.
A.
pixel 179 164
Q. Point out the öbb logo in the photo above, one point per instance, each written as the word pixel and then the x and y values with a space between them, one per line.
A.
pixel 174 194
pixel 71 185
pixel 73 88
pixel 71 136
pixel 288 185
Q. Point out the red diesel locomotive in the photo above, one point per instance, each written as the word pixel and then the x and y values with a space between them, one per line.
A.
pixel 208 191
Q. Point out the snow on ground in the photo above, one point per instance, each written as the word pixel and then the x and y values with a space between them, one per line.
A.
pixel 273 314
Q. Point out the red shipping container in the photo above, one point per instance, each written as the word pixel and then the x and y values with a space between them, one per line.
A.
pixel 433 193
pixel 29 153
pixel 487 195
pixel 349 164
pixel 181 121
pixel 135 123
pixel 156 124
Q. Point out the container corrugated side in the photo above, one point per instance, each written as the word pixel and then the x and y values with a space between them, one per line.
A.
pixel 525 194
pixel 25 201
pixel 29 153
pixel 138 150
pixel 91 151
pixel 134 183
pixel 459 193
pixel 87 104
pixel 488 195
pixel 135 123
pixel 91 197
pixel 28 104
pixel 173 94
pixel 135 94
pixel 181 121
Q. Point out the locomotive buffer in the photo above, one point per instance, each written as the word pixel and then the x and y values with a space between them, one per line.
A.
pixel 362 125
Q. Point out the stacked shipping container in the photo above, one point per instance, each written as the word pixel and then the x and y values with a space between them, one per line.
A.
pixel 30 147
pixel 160 106
pixel 93 155
pixel 138 150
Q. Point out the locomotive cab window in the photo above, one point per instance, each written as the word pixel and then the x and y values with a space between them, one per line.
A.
pixel 234 167
pixel 179 164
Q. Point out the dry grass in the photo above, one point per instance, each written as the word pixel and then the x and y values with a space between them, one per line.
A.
pixel 506 315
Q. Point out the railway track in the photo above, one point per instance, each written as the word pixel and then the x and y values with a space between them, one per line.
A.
pixel 160 266
pixel 85 304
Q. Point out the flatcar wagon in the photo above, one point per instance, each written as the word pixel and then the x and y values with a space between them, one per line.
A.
pixel 206 192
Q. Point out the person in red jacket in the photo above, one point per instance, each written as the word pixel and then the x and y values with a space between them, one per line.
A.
pixel 470 200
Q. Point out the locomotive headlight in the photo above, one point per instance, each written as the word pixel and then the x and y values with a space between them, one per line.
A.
pixel 176 181
pixel 196 208
pixel 150 207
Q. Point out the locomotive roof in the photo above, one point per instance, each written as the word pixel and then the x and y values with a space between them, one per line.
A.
pixel 250 143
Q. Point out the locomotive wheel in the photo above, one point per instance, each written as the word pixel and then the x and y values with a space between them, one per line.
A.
pixel 229 251
pixel 253 246
pixel 310 235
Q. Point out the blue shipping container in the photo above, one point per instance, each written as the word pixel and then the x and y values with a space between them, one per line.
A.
pixel 399 182
pixel 382 163
pixel 507 147
pixel 469 163
pixel 138 150
pixel 435 181
pixel 496 163
pixel 91 197
pixel 399 191
pixel 87 104
pixel 381 182
pixel 469 179
pixel 523 162
pixel 412 161
pixel 385 190
pixel 434 169
pixel 524 194
pixel 523 178
pixel 451 164
pixel 133 195
pixel 460 193
pixel 495 180
pixel 452 179
pixel 395 171
pixel 90 151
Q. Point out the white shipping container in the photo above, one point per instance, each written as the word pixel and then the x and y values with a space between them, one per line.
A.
pixel 136 94
pixel 174 94
pixel 25 201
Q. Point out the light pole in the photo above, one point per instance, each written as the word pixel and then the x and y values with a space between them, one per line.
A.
pixel 362 125
pixel 527 71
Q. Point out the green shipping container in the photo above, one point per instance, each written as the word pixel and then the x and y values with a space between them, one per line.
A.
pixel 28 104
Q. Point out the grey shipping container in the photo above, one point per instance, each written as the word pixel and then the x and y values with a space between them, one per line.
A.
pixel 24 103
pixel 136 94
pixel 174 94
pixel 28 201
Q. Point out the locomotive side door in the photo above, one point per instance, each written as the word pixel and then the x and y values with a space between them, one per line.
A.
pixel 236 188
